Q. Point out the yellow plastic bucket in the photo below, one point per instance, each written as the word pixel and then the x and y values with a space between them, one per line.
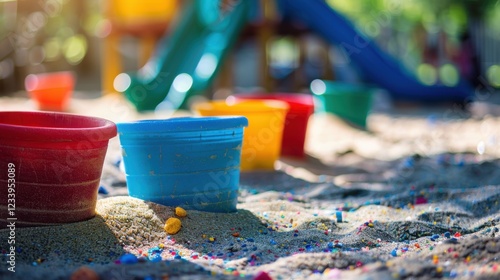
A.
pixel 262 138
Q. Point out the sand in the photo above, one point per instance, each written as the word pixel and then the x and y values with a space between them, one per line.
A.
pixel 416 196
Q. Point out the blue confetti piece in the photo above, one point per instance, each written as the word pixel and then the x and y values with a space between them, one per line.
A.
pixel 155 258
pixel 128 259
pixel 338 214
pixel 394 253
pixel 102 190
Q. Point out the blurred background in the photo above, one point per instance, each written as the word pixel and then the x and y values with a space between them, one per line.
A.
pixel 437 40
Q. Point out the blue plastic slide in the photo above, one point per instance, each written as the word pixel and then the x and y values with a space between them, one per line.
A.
pixel 377 66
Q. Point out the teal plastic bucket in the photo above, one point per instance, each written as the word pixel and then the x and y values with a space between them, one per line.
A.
pixel 189 162
pixel 350 102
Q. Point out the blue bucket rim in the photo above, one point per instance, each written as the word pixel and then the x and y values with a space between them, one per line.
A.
pixel 180 124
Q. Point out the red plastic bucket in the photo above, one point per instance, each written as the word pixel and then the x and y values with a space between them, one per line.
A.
pixel 297 118
pixel 51 165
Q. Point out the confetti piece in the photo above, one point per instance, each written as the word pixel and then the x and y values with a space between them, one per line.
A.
pixel 173 225
pixel 180 212
pixel 128 259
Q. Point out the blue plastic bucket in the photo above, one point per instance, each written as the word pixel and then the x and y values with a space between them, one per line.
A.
pixel 189 162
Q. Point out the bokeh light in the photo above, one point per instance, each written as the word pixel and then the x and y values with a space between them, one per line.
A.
pixel 35 21
pixel 493 74
pixel 206 66
pixel 103 28
pixel 283 52
pixel 183 82
pixel 75 48
pixel 52 48
pixel 448 74
pixel 318 87
pixel 122 82
pixel 427 74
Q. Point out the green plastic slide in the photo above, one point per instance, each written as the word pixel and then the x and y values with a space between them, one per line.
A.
pixel 186 62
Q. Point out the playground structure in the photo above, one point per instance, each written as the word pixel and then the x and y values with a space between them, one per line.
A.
pixel 187 60
pixel 146 20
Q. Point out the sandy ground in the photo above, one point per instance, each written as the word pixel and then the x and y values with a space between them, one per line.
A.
pixel 415 196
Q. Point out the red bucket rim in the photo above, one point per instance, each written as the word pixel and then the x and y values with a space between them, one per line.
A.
pixel 54 127
pixel 297 101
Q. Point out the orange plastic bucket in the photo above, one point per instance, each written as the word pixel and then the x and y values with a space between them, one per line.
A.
pixel 51 91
